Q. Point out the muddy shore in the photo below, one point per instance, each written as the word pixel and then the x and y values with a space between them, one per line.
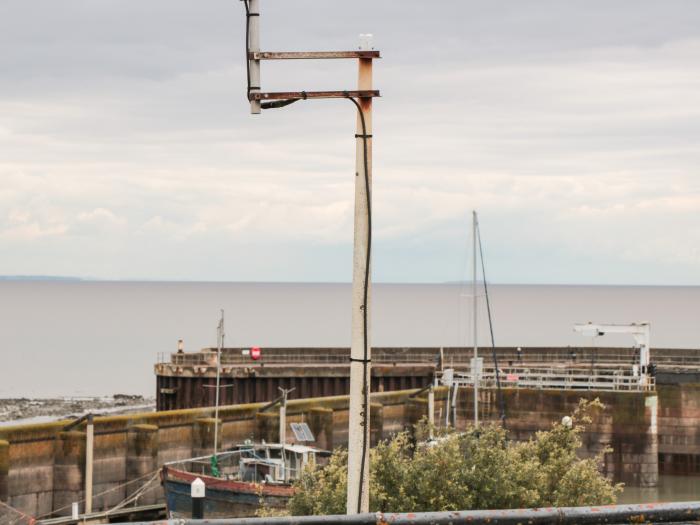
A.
pixel 19 410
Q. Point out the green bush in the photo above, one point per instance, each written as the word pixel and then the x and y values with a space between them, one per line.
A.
pixel 472 470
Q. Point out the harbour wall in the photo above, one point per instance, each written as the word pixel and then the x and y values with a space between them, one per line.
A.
pixel 627 428
pixel 42 467
pixel 187 380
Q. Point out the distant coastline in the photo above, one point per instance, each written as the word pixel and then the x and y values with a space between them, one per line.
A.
pixel 38 278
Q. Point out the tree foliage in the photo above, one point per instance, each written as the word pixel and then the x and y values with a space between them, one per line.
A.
pixel 471 470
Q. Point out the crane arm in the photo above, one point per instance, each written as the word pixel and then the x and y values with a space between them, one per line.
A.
pixel 640 331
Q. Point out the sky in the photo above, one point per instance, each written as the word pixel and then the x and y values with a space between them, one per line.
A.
pixel 127 150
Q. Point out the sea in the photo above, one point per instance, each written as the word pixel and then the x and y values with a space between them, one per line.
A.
pixel 63 338
pixel 97 338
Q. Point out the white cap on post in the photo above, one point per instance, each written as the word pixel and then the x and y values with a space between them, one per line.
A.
pixel 197 489
pixel 366 43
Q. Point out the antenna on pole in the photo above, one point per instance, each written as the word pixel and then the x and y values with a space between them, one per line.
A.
pixel 220 345
pixel 283 429
pixel 475 304
pixel 360 350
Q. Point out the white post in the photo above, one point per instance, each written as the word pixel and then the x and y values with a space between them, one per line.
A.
pixel 448 406
pixel 254 47
pixel 431 410
pixel 455 393
pixel 358 431
pixel 220 345
pixel 283 432
pixel 197 493
pixel 89 448
pixel 475 371
pixel 645 346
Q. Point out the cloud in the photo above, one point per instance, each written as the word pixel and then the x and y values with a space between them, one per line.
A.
pixel 572 127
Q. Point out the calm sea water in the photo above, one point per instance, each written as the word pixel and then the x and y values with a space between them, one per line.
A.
pixel 670 488
pixel 99 338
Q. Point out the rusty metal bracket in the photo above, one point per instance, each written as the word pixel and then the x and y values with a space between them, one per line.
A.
pixel 312 55
pixel 314 94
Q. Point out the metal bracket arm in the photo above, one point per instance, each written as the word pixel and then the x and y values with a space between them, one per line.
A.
pixel 302 55
pixel 303 95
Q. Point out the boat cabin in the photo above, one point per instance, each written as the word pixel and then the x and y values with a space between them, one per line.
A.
pixel 263 463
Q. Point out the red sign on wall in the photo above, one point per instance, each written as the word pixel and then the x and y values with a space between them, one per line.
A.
pixel 255 353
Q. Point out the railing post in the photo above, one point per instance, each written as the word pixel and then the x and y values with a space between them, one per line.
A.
pixel 89 450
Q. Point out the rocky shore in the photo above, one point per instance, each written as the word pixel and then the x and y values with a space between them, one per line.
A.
pixel 17 410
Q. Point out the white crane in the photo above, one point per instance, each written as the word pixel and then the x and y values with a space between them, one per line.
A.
pixel 640 332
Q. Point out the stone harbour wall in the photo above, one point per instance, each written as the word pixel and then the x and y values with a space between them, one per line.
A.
pixel 42 466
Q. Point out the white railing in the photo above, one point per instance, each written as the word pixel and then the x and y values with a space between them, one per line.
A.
pixel 535 358
pixel 558 378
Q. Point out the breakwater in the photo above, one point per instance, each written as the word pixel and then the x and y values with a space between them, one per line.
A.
pixel 42 467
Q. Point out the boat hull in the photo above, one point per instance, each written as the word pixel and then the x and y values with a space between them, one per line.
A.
pixel 223 498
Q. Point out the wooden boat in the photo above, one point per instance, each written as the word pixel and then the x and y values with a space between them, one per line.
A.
pixel 238 481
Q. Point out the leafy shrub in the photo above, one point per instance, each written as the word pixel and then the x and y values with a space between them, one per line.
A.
pixel 477 469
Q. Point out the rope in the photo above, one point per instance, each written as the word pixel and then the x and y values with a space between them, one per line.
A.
pixel 134 496
pixel 117 487
pixel 499 394
pixel 22 515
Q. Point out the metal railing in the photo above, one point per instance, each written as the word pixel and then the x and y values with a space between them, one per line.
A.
pixel 451 357
pixel 678 512
pixel 560 378
pixel 209 358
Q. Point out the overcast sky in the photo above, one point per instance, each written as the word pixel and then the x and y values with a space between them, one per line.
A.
pixel 127 150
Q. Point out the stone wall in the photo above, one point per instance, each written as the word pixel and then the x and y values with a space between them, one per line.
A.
pixel 42 467
pixel 628 425
pixel 679 429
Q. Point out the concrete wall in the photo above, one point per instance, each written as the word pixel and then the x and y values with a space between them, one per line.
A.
pixel 628 425
pixel 42 467
pixel 679 429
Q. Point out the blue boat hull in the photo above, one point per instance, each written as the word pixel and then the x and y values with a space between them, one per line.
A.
pixel 217 503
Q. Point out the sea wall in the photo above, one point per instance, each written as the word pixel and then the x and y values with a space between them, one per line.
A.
pixel 679 429
pixel 42 467
pixel 627 427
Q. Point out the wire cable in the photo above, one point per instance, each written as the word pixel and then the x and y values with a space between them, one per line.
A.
pixel 247 46
pixel 365 361
pixel 112 489
pixel 499 393
pixel 135 496
pixel 20 515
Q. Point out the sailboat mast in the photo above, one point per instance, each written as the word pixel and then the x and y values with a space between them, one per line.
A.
pixel 220 344
pixel 475 371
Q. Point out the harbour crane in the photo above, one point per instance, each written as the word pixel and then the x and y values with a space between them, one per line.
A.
pixel 640 332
